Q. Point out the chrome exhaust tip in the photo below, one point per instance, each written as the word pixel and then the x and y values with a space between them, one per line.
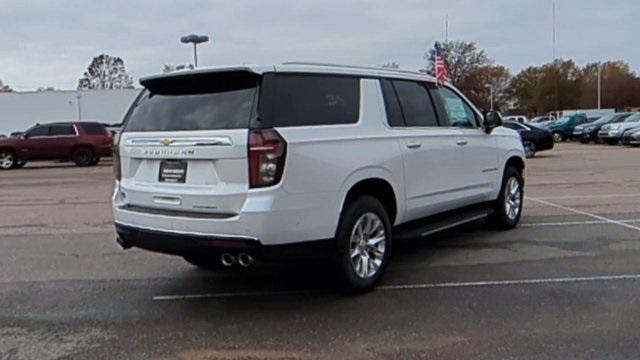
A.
pixel 245 260
pixel 227 259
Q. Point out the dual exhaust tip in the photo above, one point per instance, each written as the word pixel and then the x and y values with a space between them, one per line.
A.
pixel 244 260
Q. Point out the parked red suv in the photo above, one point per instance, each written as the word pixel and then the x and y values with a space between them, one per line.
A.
pixel 82 142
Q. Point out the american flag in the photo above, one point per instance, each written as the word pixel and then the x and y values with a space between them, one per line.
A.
pixel 440 66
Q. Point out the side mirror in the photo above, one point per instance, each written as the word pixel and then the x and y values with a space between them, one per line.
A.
pixel 492 119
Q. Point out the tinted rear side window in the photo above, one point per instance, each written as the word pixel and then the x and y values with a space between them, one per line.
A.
pixel 197 102
pixel 394 113
pixel 304 100
pixel 61 130
pixel 416 103
pixel 94 129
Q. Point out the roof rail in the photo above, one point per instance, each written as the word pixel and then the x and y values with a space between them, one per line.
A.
pixel 354 67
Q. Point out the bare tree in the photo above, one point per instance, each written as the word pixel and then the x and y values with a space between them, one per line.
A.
pixel 105 72
pixel 391 65
pixel 5 88
pixel 462 59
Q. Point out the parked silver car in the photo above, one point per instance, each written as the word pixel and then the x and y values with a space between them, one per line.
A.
pixel 612 133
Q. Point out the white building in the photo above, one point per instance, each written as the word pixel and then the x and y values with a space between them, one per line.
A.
pixel 21 110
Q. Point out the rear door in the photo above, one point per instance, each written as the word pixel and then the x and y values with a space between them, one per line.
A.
pixel 428 150
pixel 477 150
pixel 61 139
pixel 184 143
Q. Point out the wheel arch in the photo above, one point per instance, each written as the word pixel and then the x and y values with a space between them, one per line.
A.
pixel 515 161
pixel 82 145
pixel 377 183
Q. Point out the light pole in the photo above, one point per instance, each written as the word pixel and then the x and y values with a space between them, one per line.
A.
pixel 78 105
pixel 195 40
pixel 599 85
pixel 490 87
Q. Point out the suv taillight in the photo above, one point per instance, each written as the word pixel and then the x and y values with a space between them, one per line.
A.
pixel 267 151
pixel 115 149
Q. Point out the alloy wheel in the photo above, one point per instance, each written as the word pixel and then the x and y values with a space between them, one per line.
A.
pixel 512 198
pixel 557 137
pixel 6 160
pixel 529 149
pixel 367 245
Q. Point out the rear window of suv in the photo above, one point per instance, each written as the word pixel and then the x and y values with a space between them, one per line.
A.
pixel 309 99
pixel 195 102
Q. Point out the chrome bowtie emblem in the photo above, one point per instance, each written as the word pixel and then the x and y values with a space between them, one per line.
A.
pixel 166 142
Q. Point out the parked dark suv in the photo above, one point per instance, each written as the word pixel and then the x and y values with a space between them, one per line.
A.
pixel 84 143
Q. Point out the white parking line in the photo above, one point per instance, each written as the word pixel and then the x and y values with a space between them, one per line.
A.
pixel 598 217
pixel 573 223
pixel 601 196
pixel 409 287
pixel 513 282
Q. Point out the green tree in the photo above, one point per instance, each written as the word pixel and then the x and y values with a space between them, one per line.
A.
pixel 553 86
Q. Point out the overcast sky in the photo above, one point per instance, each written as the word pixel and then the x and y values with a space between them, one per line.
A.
pixel 50 43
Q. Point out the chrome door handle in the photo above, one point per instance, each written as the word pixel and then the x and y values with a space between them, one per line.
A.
pixel 414 145
pixel 461 142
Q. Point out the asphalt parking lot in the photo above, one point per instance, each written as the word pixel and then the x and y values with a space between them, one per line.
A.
pixel 565 284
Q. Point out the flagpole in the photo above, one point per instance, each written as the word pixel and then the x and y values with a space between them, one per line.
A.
pixel 446 28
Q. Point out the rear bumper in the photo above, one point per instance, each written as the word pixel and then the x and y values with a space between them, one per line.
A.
pixel 271 217
pixel 181 244
pixel 609 136
pixel 103 151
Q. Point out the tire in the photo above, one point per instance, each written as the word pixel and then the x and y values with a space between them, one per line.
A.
pixel 363 244
pixel 558 137
pixel 82 156
pixel 19 164
pixel 207 261
pixel 95 161
pixel 529 149
pixel 584 141
pixel 612 142
pixel 7 160
pixel 508 207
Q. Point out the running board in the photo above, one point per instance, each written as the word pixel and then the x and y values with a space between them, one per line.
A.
pixel 433 224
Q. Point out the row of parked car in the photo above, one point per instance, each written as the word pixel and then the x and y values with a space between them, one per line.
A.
pixel 541 132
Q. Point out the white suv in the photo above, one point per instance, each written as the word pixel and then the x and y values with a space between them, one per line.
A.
pixel 226 165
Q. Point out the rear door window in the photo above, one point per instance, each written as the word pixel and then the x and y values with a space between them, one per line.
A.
pixel 195 102
pixel 62 130
pixel 308 100
pixel 416 103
